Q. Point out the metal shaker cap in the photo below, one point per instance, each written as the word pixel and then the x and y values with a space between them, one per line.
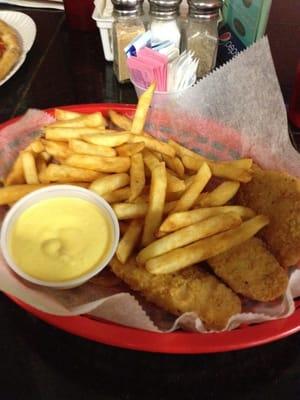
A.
pixel 206 9
pixel 164 9
pixel 125 7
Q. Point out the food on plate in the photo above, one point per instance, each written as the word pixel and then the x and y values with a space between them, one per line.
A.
pixel 189 197
pixel 189 234
pixel 137 176
pixel 229 170
pixel 157 197
pixel 63 240
pixel 192 289
pixel 109 183
pixel 251 270
pixel 29 167
pixel 185 218
pixel 81 147
pixel 141 112
pixel 10 48
pixel 175 208
pixel 64 174
pixel 277 195
pixel 129 240
pixel 98 163
pixel 220 195
pixel 205 248
pixel 120 120
pixel 94 120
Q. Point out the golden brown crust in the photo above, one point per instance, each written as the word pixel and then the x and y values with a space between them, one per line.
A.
pixel 251 270
pixel 277 195
pixel 190 290
pixel 12 48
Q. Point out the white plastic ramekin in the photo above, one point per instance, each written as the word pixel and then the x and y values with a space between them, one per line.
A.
pixel 55 192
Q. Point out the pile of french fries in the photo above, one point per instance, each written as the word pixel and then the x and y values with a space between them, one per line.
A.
pixel 156 189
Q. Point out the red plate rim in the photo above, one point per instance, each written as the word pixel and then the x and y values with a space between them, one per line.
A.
pixel 178 342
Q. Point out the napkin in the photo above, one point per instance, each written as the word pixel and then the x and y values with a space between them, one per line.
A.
pixel 55 4
pixel 237 110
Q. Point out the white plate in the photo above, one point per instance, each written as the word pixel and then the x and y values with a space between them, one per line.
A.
pixel 54 4
pixel 26 28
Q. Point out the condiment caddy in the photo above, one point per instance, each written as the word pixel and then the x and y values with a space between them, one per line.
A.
pixel 198 32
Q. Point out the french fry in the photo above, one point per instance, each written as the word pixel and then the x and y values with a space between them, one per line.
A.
pixel 80 147
pixel 219 196
pixel 153 144
pixel 29 167
pixel 129 149
pixel 100 164
pixel 110 140
pixel 10 194
pixel 46 156
pixel 179 220
pixel 121 121
pixel 137 176
pixel 41 164
pixel 182 151
pixel 138 209
pixel 206 248
pixel 130 210
pixel 228 170
pixel 129 240
pixel 16 174
pixel 36 146
pixel 175 164
pixel 109 183
pixel 65 173
pixel 173 184
pixel 189 197
pixel 200 230
pixel 56 149
pixel 123 227
pixel 142 110
pixel 64 115
pixel 65 134
pixel 157 198
pixel 93 120
pixel 117 195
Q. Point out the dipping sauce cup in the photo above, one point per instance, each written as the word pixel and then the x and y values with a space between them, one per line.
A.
pixel 59 236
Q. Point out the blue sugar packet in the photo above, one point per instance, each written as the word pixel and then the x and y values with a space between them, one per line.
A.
pixel 141 41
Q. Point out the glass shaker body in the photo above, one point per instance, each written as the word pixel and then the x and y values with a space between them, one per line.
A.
pixel 165 28
pixel 201 37
pixel 125 29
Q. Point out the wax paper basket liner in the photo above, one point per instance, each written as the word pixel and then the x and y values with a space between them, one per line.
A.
pixel 199 129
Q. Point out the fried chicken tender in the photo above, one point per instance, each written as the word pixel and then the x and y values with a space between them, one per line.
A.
pixel 190 290
pixel 277 195
pixel 251 270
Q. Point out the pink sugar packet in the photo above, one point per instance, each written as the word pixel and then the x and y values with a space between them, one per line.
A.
pixel 147 67
pixel 18 135
pixel 160 62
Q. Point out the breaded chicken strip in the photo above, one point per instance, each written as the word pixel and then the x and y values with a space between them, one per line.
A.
pixel 276 195
pixel 251 270
pixel 191 289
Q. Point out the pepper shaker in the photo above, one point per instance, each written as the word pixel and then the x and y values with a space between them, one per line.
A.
pixel 127 26
pixel 201 33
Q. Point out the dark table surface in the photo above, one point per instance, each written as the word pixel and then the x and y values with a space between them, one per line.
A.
pixel 40 362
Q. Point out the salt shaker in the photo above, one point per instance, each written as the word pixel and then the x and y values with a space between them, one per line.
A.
pixel 201 33
pixel 164 21
pixel 127 26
